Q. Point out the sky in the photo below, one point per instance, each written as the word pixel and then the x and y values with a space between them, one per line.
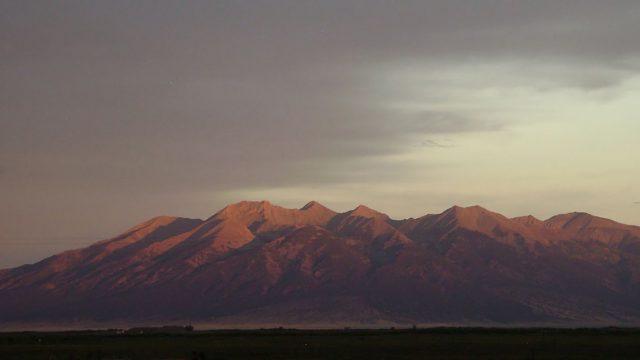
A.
pixel 112 112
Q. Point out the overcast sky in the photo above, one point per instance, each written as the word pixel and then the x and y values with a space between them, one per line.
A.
pixel 112 112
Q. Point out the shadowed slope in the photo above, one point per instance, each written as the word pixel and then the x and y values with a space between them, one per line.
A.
pixel 108 255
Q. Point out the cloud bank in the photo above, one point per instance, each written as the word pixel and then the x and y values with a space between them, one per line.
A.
pixel 117 111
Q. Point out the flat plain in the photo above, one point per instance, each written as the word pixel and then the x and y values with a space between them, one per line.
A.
pixel 436 343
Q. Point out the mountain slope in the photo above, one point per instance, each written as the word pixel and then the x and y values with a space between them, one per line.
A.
pixel 255 262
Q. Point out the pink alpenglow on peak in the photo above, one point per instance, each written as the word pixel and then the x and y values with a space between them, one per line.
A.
pixel 259 263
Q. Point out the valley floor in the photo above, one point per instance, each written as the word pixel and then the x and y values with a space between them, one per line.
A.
pixel 440 343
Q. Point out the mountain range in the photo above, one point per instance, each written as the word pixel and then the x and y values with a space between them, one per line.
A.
pixel 256 263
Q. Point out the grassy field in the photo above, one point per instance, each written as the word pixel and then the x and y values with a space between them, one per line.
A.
pixel 459 343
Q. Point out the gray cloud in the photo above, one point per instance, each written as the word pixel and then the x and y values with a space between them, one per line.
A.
pixel 150 101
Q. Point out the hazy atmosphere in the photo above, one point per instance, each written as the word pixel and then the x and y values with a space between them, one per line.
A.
pixel 113 112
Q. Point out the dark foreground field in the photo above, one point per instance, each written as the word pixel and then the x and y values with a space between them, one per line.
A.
pixel 461 343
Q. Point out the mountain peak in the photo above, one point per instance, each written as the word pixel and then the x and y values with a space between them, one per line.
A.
pixel 263 216
pixel 244 207
pixel 317 210
pixel 577 220
pixel 313 205
pixel 528 220
pixel 254 204
pixel 470 211
pixel 477 218
pixel 563 218
pixel 364 211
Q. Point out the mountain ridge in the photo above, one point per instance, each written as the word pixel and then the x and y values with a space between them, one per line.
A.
pixel 465 264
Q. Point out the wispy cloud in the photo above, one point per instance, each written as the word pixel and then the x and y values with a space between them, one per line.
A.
pixel 434 143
